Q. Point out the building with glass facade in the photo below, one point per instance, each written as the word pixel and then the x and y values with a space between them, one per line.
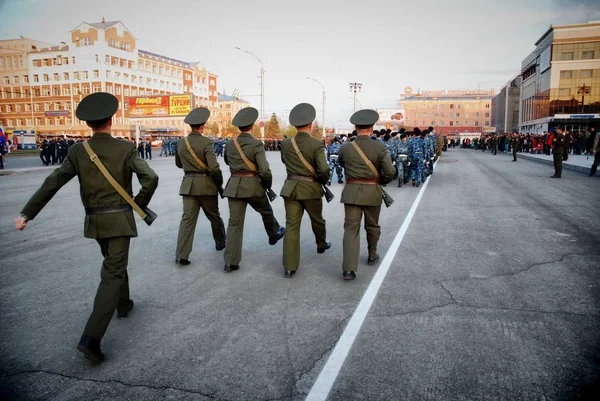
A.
pixel 561 80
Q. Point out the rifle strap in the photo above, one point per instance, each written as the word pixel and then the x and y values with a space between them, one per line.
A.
pixel 194 155
pixel 366 159
pixel 94 158
pixel 302 159
pixel 250 165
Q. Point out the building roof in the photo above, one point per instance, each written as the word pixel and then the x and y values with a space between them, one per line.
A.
pixel 103 24
pixel 150 54
pixel 59 48
pixel 227 98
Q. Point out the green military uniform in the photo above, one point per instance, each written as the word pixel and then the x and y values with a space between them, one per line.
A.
pixel 247 187
pixel 199 187
pixel 109 219
pixel 362 193
pixel 558 149
pixel 301 190
pixel 515 147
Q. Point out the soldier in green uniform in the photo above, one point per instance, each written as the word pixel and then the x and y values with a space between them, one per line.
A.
pixel 515 145
pixel 362 192
pixel 558 149
pixel 109 218
pixel 307 172
pixel 199 188
pixel 250 177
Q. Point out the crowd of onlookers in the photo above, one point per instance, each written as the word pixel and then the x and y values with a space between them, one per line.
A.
pixel 576 143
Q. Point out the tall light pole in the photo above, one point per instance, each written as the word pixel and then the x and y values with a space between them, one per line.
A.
pixel 583 90
pixel 262 81
pixel 322 122
pixel 355 87
pixel 357 101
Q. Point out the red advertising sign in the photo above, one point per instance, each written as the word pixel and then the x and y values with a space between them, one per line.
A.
pixel 160 106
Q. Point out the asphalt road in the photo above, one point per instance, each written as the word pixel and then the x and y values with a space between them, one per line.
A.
pixel 493 295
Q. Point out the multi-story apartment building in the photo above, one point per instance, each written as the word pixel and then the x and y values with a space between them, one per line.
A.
pixel 561 80
pixel 100 57
pixel 505 107
pixel 448 112
pixel 228 108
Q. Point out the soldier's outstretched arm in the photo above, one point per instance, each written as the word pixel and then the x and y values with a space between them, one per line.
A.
pixel 213 165
pixel 323 171
pixel 52 183
pixel 387 170
pixel 147 178
pixel 264 171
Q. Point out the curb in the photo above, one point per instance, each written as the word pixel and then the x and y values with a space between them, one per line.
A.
pixel 566 165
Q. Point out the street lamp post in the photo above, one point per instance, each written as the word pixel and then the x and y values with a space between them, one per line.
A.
pixel 262 82
pixel 357 101
pixel 355 87
pixel 323 121
pixel 583 90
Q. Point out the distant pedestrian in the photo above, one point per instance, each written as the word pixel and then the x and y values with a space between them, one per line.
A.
pixel 149 149
pixel 596 149
pixel 558 148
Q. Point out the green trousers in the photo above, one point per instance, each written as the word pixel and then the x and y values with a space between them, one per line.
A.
pixel 558 159
pixel 352 219
pixel 235 228
pixel 113 291
pixel 294 210
pixel 187 227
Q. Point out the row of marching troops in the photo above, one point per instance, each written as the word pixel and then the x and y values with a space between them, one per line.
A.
pixel 54 150
pixel 413 153
pixel 109 202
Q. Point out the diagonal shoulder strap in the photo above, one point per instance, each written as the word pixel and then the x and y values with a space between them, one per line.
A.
pixel 112 181
pixel 250 165
pixel 194 155
pixel 365 158
pixel 302 159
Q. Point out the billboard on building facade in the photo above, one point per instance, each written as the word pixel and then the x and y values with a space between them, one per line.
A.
pixel 392 116
pixel 160 106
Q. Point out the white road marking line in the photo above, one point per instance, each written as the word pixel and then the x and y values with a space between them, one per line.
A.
pixel 322 386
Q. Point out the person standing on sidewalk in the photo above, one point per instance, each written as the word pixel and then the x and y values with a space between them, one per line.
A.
pixel 596 149
pixel 515 146
pixel 558 149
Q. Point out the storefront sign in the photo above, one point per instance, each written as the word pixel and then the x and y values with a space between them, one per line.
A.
pixel 160 106
pixel 57 113
pixel 576 116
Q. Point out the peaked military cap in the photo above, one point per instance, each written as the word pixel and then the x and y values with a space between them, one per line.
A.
pixel 198 116
pixel 97 106
pixel 245 117
pixel 364 117
pixel 302 114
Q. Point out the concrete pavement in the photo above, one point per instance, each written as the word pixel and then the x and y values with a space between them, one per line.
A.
pixel 493 295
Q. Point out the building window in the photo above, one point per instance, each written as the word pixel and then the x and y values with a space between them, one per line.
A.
pixel 36 107
pixel 588 55
pixel 48 121
pixel 567 74
pixel 585 73
pixel 17 108
pixel 38 121
pixel 36 78
pixel 477 123
pixel 85 41
pixel 73 58
pixel 118 90
pixel 566 56
pixel 114 43
pixel 46 106
pixel 66 76
pixel 76 90
pixel 46 92
pixel 96 88
pixel 44 62
pixel 27 107
pixel 56 106
pixel 107 59
pixel 67 106
pixel 55 92
pixel 85 90
pixel 451 123
pixel 477 115
pixel 442 122
pixel 7 80
pixel 67 91
pixel 108 73
pixel 56 76
pixel 85 74
pixel 457 123
pixel 564 92
pixel 16 79
pixel 96 74
pixel 487 115
pixel 487 106
pixel 457 114
pixel 46 78
pixel 451 114
pixel 487 123
pixel 451 105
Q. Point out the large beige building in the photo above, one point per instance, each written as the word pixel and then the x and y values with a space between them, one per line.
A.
pixel 43 84
pixel 448 112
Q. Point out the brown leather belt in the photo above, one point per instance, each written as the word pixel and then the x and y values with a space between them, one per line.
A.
pixel 92 211
pixel 359 181
pixel 301 178
pixel 244 174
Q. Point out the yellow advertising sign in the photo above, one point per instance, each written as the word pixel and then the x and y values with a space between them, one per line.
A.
pixel 160 106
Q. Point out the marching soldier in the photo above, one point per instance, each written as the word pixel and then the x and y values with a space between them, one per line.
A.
pixel 367 166
pixel 333 152
pixel 307 171
pixel 195 154
pixel 109 219
pixel 416 154
pixel 558 148
pixel 250 177
pixel 402 160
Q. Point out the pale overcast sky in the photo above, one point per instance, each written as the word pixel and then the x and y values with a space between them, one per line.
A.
pixel 386 45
